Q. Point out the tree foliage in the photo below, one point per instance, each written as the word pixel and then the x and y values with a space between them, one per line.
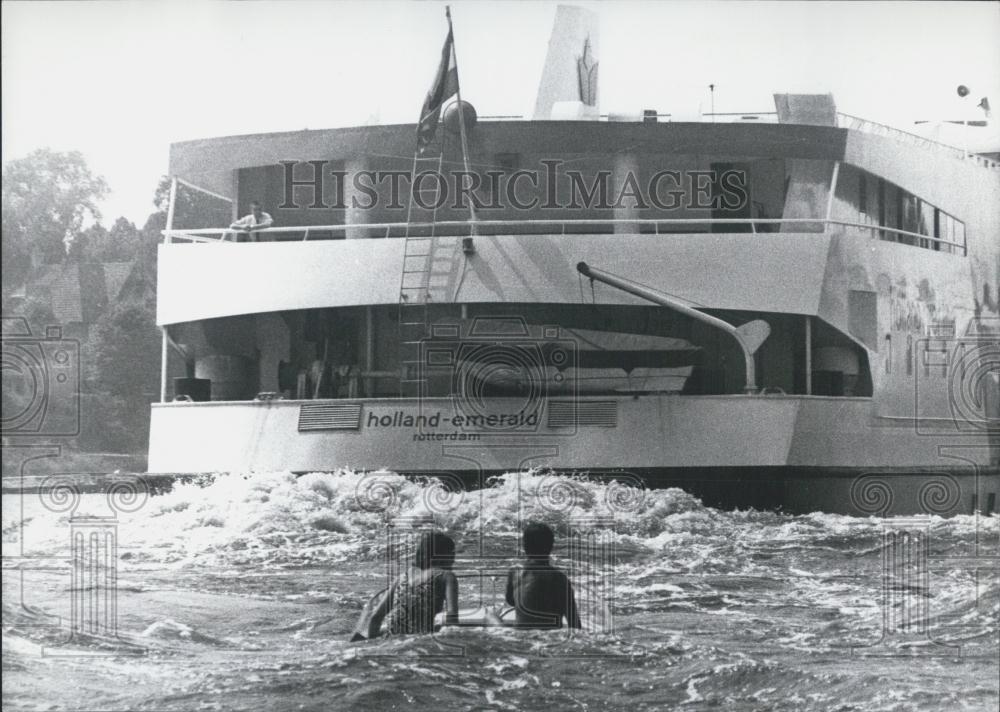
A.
pixel 122 243
pixel 123 353
pixel 50 215
pixel 126 337
pixel 47 198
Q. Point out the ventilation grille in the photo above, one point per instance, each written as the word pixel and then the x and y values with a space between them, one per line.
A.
pixel 568 414
pixel 329 416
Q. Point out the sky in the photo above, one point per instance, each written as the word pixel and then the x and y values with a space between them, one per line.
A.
pixel 120 81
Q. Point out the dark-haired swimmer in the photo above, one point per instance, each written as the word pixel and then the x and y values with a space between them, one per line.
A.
pixel 541 594
pixel 415 598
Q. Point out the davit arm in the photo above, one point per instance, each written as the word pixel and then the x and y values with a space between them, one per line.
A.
pixel 750 336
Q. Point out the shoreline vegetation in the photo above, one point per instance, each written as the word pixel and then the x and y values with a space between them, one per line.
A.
pixel 69 279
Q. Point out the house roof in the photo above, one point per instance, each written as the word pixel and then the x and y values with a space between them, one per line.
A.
pixel 79 292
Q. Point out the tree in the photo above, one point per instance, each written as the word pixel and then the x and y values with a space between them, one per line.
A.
pixel 122 243
pixel 123 354
pixel 128 350
pixel 94 237
pixel 47 197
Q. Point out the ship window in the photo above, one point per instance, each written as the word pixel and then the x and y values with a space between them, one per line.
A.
pixel 881 206
pixel 909 216
pixel 928 224
pixel 871 200
pixel 952 230
pixel 898 212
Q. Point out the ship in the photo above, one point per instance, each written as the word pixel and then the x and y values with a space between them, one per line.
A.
pixel 793 309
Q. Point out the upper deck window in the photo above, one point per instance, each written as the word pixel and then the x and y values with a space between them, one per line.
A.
pixel 866 199
pixel 571 194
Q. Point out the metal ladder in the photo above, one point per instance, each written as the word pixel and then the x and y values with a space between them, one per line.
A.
pixel 428 266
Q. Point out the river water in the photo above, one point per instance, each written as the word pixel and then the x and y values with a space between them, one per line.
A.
pixel 238 592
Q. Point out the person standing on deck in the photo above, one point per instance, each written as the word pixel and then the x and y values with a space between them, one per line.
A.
pixel 256 220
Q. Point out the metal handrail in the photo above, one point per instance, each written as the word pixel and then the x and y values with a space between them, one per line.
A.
pixel 481 223
pixel 737 116
pixel 203 235
pixel 874 127
pixel 906 233
pixel 734 116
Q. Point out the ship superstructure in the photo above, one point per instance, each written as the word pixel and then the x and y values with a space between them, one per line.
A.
pixel 376 326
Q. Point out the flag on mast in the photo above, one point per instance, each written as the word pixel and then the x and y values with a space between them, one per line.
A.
pixel 445 85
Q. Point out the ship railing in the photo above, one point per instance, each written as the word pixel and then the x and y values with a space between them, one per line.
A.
pixel 918 239
pixel 856 123
pixel 463 228
pixel 728 117
pixel 452 228
pixel 721 117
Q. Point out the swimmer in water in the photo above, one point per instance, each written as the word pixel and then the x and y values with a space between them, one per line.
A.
pixel 413 599
pixel 541 594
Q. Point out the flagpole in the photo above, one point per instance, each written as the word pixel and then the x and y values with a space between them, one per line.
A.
pixel 461 119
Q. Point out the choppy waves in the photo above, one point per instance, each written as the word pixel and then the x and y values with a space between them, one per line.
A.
pixel 745 609
pixel 323 517
pixel 328 517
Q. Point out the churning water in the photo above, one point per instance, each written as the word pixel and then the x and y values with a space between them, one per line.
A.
pixel 238 592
